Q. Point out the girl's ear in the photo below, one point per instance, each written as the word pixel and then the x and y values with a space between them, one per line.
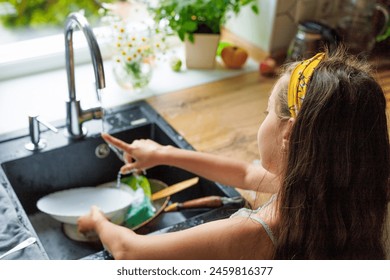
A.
pixel 287 129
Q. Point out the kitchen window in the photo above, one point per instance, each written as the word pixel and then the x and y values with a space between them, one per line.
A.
pixel 34 42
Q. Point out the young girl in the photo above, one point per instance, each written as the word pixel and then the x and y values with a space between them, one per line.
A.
pixel 325 153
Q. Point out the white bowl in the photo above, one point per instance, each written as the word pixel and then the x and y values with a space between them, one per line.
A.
pixel 68 205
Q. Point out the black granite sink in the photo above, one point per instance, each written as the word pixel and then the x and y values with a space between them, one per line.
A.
pixel 67 164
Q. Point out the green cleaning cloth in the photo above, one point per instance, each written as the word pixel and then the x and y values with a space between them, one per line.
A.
pixel 142 208
pixel 138 181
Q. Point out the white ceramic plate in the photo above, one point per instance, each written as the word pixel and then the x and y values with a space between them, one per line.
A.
pixel 68 205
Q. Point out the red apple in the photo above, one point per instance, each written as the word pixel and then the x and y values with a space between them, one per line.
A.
pixel 234 57
pixel 267 67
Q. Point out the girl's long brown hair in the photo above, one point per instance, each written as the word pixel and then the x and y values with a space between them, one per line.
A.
pixel 332 203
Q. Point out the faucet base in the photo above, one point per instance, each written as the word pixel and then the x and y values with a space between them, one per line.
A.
pixel 36 147
pixel 79 136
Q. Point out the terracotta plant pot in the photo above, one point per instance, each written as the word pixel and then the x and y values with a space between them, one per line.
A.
pixel 201 53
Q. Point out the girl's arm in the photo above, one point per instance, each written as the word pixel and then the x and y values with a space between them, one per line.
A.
pixel 144 154
pixel 234 238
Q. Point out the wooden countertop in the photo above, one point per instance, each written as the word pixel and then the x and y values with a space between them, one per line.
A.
pixel 223 117
pixel 220 117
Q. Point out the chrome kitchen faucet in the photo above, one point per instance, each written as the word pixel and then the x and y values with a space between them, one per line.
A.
pixel 75 115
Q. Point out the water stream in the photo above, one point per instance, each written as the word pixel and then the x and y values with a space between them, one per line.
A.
pixel 118 180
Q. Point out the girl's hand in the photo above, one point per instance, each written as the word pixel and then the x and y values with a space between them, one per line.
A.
pixel 139 155
pixel 89 222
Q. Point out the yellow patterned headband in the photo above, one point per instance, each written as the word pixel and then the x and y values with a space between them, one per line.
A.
pixel 299 80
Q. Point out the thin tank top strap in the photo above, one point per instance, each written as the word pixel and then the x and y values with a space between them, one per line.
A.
pixel 265 226
pixel 245 212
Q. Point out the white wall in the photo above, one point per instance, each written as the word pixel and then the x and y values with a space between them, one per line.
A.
pixel 256 29
pixel 275 25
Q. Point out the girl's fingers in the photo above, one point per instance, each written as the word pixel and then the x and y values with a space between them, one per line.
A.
pixel 127 158
pixel 128 168
pixel 115 141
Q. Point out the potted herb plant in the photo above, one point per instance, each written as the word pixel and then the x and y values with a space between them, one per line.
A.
pixel 198 23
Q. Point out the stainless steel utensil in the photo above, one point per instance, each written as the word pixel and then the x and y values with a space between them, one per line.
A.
pixel 29 241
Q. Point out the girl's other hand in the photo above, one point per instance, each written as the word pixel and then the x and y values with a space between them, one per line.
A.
pixel 89 222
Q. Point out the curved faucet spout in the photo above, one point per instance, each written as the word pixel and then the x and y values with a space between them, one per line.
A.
pixel 75 115
pixel 73 20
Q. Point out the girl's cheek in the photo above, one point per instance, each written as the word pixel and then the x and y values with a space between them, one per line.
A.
pixel 261 137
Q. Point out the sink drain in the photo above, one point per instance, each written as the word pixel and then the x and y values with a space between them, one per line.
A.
pixel 102 151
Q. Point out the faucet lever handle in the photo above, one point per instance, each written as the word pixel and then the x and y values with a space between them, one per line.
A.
pixel 45 123
pixel 37 143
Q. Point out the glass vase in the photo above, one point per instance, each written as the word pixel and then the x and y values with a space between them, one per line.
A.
pixel 133 57
pixel 133 75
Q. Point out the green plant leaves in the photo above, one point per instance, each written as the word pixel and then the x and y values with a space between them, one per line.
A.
pixel 187 17
pixel 34 13
pixel 190 26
